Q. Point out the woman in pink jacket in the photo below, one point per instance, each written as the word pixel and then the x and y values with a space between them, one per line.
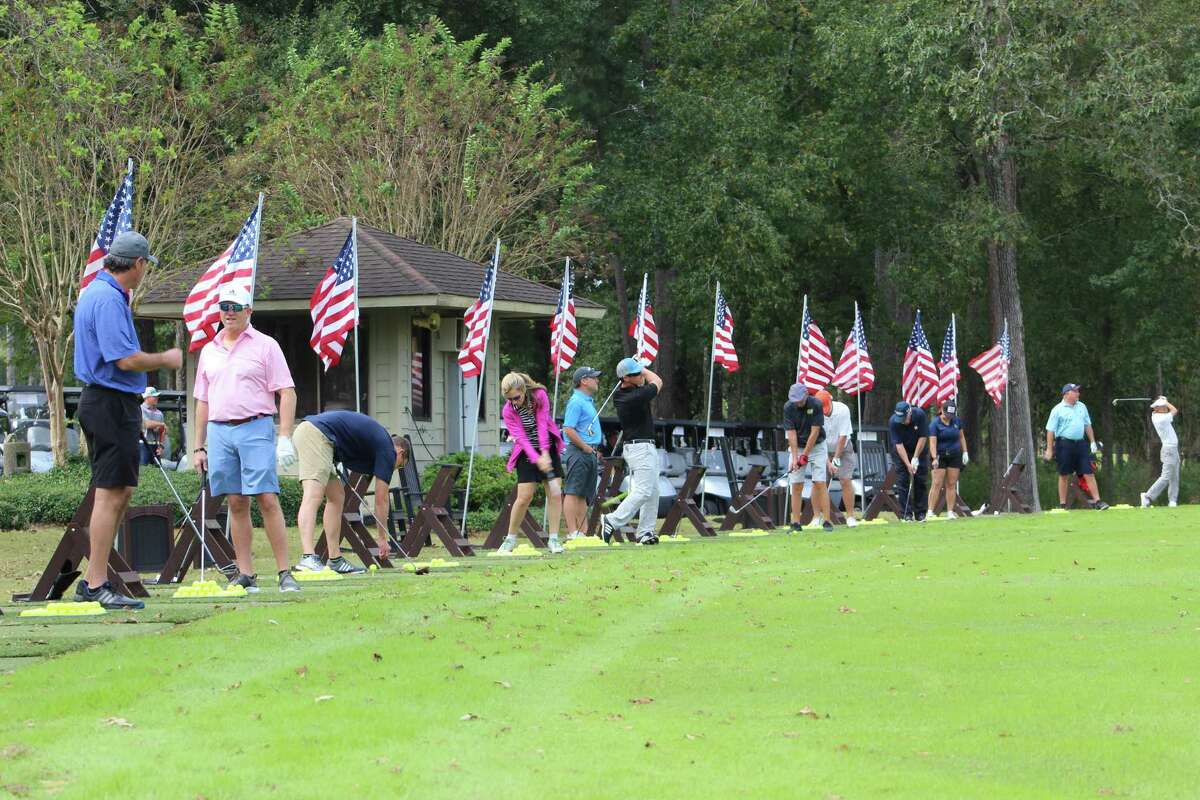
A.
pixel 537 443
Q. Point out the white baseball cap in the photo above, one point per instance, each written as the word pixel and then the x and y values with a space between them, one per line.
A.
pixel 149 391
pixel 1161 402
pixel 235 293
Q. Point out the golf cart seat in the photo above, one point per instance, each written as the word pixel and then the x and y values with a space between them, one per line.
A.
pixel 714 463
pixel 674 468
pixel 762 460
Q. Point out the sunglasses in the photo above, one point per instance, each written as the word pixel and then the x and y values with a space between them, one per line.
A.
pixel 515 398
pixel 235 307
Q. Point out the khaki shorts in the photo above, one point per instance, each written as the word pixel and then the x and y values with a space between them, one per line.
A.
pixel 849 461
pixel 314 453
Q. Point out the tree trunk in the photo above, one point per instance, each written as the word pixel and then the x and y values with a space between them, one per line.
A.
pixel 10 355
pixel 672 402
pixel 1004 301
pixel 47 341
pixel 622 304
pixel 882 341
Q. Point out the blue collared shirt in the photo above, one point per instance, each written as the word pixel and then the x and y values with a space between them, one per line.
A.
pixel 1068 422
pixel 581 415
pixel 104 334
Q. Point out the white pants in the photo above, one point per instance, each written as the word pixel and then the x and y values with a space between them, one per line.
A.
pixel 641 460
pixel 1169 476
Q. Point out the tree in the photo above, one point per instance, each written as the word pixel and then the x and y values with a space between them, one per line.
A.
pixel 75 102
pixel 427 137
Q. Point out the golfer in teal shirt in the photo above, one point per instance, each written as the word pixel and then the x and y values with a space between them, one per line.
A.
pixel 1066 428
pixel 581 463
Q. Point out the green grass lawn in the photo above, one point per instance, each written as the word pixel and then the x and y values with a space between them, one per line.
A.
pixel 1028 656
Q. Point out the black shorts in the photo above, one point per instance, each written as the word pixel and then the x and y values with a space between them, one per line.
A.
pixel 1073 456
pixel 528 472
pixel 949 461
pixel 112 425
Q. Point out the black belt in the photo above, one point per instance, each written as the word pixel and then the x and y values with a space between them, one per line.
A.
pixel 642 441
pixel 1065 439
pixel 241 421
pixel 95 387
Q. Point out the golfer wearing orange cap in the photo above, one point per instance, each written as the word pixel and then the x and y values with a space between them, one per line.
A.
pixel 839 439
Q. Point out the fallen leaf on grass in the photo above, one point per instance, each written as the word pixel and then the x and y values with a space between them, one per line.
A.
pixel 302 671
pixel 694 736
pixel 649 744
pixel 324 697
pixel 273 622
pixel 377 657
pixel 503 684
pixel 1122 728
pixel 468 717
pixel 641 701
pixel 614 717
pixel 118 722
pixel 234 685
pixel 791 735
pixel 16 789
pixel 808 712
pixel 13 751
pixel 847 610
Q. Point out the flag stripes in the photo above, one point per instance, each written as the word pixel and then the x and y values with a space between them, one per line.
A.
pixel 236 264
pixel 334 306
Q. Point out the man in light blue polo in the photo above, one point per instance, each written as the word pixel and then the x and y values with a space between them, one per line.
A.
pixel 1070 441
pixel 581 463
pixel 111 364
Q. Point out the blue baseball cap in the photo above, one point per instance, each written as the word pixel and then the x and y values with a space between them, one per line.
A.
pixel 1070 387
pixel 902 408
pixel 628 366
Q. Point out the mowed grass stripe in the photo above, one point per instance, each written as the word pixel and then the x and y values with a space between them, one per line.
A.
pixel 965 660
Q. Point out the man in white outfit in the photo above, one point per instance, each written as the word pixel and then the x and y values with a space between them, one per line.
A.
pixel 639 387
pixel 1162 417
pixel 839 433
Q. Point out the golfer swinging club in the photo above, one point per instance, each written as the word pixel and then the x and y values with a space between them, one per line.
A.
pixel 639 386
pixel 1162 417
pixel 909 429
pixel 804 420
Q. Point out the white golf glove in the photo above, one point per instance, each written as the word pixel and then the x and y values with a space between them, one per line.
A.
pixel 285 452
pixel 836 461
pixel 1095 448
pixel 966 458
pixel 916 462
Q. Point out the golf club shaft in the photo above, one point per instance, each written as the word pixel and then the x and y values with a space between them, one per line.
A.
pixel 362 502
pixel 186 513
pixel 1131 400
pixel 760 493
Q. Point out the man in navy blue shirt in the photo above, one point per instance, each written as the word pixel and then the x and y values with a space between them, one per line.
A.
pixel 362 445
pixel 909 428
pixel 110 363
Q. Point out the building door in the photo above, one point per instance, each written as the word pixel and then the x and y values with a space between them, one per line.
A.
pixel 455 411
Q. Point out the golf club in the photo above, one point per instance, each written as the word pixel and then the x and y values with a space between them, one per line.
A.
pixel 186 513
pixel 763 491
pixel 1131 400
pixel 362 502
pixel 599 410
pixel 912 480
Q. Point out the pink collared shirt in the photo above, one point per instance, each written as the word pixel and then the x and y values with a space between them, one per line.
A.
pixel 241 381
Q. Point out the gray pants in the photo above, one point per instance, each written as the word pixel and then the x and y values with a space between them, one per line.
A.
pixel 641 460
pixel 1169 476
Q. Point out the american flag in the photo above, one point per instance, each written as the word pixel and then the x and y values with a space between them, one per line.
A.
pixel 334 304
pixel 815 369
pixel 948 372
pixel 854 372
pixel 723 352
pixel 117 219
pixel 236 264
pixel 642 330
pixel 564 335
pixel 478 322
pixel 992 365
pixel 919 382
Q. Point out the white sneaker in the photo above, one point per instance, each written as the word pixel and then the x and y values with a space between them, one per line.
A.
pixel 554 546
pixel 851 522
pixel 1172 504
pixel 309 563
pixel 1145 500
pixel 576 535
pixel 951 515
pixel 507 546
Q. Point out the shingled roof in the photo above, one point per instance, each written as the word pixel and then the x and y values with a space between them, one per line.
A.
pixel 390 267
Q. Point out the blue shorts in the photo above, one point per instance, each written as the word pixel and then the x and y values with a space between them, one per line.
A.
pixel 1073 456
pixel 241 458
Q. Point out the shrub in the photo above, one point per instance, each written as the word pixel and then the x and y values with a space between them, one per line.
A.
pixel 51 498
pixel 490 480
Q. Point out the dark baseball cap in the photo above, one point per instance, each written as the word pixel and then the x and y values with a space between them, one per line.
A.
pixel 132 244
pixel 902 408
pixel 1070 387
pixel 583 373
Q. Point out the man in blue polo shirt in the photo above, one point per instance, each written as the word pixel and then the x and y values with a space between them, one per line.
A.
pixel 909 430
pixel 110 363
pixel 363 446
pixel 1066 428
pixel 581 464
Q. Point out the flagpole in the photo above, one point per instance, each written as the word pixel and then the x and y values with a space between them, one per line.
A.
pixel 257 239
pixel 556 354
pixel 858 398
pixel 479 395
pixel 800 349
pixel 357 311
pixel 712 350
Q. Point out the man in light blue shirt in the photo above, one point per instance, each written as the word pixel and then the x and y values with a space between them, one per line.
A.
pixel 1066 429
pixel 581 463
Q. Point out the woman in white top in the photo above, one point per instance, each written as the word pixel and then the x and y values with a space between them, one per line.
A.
pixel 1162 417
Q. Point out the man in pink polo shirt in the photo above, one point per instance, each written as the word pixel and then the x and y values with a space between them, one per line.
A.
pixel 239 372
